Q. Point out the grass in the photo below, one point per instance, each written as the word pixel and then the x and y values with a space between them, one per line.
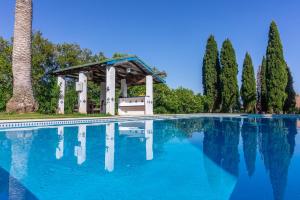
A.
pixel 14 116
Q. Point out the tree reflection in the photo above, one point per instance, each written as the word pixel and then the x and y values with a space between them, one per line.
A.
pixel 249 135
pixel 230 154
pixel 277 146
pixel 20 148
pixel 220 143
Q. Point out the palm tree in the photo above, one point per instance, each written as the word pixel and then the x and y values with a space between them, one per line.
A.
pixel 22 100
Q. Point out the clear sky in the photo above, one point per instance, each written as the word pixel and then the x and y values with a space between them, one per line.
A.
pixel 168 34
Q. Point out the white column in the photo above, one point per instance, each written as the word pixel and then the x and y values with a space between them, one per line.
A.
pixel 103 97
pixel 80 150
pixel 149 139
pixel 110 90
pixel 149 95
pixel 61 100
pixel 123 88
pixel 82 95
pixel 110 147
pixel 60 147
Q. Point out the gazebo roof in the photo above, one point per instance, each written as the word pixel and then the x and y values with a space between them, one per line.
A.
pixel 131 68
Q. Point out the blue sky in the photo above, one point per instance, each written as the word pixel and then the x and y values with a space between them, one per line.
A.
pixel 168 34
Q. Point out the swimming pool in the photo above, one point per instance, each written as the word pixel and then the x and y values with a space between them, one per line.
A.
pixel 197 158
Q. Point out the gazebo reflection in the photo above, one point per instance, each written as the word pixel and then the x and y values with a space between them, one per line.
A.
pixel 142 130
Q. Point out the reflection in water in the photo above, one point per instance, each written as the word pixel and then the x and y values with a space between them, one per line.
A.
pixel 131 130
pixel 60 147
pixel 230 154
pixel 277 144
pixel 275 139
pixel 277 150
pixel 80 150
pixel 291 125
pixel 220 145
pixel 249 135
pixel 149 139
pixel 109 147
pixel 20 147
pixel 212 149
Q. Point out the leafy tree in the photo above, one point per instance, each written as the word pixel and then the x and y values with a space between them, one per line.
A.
pixel 119 55
pixel 248 89
pixel 5 72
pixel 43 64
pixel 290 102
pixel 211 75
pixel 276 73
pixel 229 83
pixel 99 57
pixel 188 102
pixel 164 99
pixel 167 100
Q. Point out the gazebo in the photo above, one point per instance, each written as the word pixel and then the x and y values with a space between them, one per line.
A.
pixel 109 74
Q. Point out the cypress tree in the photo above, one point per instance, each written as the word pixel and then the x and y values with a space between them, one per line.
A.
pixel 276 73
pixel 290 102
pixel 211 74
pixel 229 83
pixel 248 89
pixel 263 86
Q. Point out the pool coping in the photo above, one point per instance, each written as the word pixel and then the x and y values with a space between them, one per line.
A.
pixel 89 120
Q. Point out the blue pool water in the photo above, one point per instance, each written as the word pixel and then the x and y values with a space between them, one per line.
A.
pixel 197 158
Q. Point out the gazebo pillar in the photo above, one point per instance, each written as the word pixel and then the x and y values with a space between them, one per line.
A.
pixel 149 95
pixel 110 89
pixel 123 88
pixel 81 87
pixel 103 97
pixel 62 89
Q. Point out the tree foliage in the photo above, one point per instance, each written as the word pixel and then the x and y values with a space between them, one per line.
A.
pixel 248 89
pixel 48 57
pixel 262 90
pixel 167 100
pixel 290 102
pixel 5 72
pixel 276 73
pixel 229 83
pixel 211 75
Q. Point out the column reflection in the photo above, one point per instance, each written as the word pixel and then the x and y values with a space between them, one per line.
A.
pixel 60 146
pixel 149 139
pixel 80 150
pixel 109 147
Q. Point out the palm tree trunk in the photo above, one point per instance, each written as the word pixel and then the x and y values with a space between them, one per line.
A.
pixel 23 99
